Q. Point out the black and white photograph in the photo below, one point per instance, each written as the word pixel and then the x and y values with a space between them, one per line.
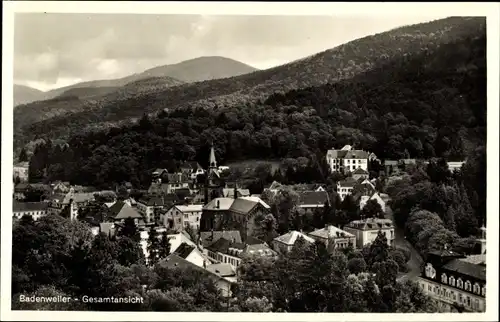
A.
pixel 234 162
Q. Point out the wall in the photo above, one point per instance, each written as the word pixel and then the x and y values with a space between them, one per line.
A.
pixel 196 258
pixel 36 214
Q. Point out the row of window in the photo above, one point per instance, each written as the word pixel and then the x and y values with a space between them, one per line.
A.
pixel 451 295
pixel 224 259
pixel 30 213
pixel 476 288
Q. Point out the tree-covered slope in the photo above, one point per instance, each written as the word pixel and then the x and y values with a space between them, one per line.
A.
pixel 430 104
pixel 340 63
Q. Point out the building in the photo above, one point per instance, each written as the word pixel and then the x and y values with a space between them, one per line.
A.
pixel 347 160
pixel 149 206
pixel 452 166
pixel 311 200
pixel 391 167
pixel 192 169
pixel 213 185
pixel 191 215
pixel 374 196
pixel 226 271
pixel 366 230
pixel 232 252
pixel 360 174
pixel 19 191
pixel 482 240
pixel 34 209
pixel 20 170
pixel 333 237
pixel 345 187
pixel 456 283
pixel 191 254
pixel 175 262
pixel 121 211
pixel 285 243
pixel 233 214
pixel 206 238
pixel 58 202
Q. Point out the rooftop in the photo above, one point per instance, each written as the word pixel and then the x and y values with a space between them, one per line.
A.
pixel 208 237
pixel 190 208
pixel 29 206
pixel 222 269
pixel 291 237
pixel 475 259
pixel 121 210
pixel 330 232
pixel 312 197
pixel 184 250
pixel 469 269
pixel 371 224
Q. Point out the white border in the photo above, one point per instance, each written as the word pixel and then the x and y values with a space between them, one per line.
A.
pixel 490 10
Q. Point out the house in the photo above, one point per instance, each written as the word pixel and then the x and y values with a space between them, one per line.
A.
pixel 57 202
pixel 452 166
pixel 373 196
pixel 34 209
pixel 159 174
pixel 227 271
pixel 191 254
pixel 191 215
pixel 175 262
pixel 176 240
pixel 148 206
pixel 333 237
pixel 347 160
pixel 231 214
pixel 192 168
pixel 61 187
pixel 19 190
pixel 206 238
pixel 373 157
pixel 20 170
pixel 391 167
pixel 232 252
pixel 345 187
pixel 285 243
pixel 235 192
pixel 454 282
pixel 121 211
pixel 360 174
pixel 366 230
pixel 312 199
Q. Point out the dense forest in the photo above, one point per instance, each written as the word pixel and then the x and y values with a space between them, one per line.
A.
pixel 432 104
pixel 59 120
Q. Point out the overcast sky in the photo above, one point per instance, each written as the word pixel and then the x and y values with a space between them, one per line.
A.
pixel 55 50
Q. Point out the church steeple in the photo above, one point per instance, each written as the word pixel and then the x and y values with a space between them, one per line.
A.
pixel 212 162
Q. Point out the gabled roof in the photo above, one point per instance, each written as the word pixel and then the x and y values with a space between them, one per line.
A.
pixel 208 237
pixel 159 171
pixel 291 237
pixel 348 182
pixel 189 208
pixel 219 204
pixel 29 206
pixel 79 197
pixel 221 245
pixel 184 250
pixel 174 261
pixel 222 269
pixel 473 270
pixel 229 192
pixel 356 154
pixel 160 201
pixel 312 197
pixel 257 200
pixel 243 206
pixel 330 232
pixel 121 210
pixel 21 186
pixel 360 171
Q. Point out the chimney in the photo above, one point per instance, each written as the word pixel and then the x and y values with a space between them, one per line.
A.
pixel 217 204
pixel 235 192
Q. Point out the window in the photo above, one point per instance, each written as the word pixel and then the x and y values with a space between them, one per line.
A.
pixel 430 271
pixel 460 283
pixel 477 289
pixel 468 301
pixel 468 286
pixel 483 292
pixel 451 281
pixel 454 295
pixel 460 298
pixel 476 306
pixel 429 288
pixel 443 278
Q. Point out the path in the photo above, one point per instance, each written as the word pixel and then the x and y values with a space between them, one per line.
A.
pixel 416 261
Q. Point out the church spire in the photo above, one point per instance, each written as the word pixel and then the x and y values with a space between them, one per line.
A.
pixel 212 162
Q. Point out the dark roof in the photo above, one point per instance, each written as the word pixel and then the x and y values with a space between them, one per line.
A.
pixel 29 206
pixel 184 250
pixel 207 239
pixel 360 171
pixel 164 200
pixel 313 197
pixel 121 210
pixel 21 186
pixel 349 182
pixel 473 270
pixel 221 245
pixel 174 261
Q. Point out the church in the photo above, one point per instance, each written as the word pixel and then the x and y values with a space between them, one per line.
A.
pixel 214 184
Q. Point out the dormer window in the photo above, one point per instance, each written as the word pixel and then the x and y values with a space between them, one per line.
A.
pixel 460 283
pixel 443 278
pixel 430 271
pixel 468 286
pixel 477 289
pixel 451 281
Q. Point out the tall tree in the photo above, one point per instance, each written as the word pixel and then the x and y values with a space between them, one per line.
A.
pixel 372 209
pixel 164 250
pixel 129 229
pixel 153 246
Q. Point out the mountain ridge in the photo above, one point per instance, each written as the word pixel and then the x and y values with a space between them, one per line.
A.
pixel 342 62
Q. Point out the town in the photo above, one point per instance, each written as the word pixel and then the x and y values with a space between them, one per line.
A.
pixel 204 219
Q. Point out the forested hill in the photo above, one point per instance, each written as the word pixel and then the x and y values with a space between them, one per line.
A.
pixel 422 105
pixel 342 62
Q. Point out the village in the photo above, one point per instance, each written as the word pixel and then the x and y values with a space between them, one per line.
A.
pixel 211 223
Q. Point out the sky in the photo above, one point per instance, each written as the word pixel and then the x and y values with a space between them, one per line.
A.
pixel 53 50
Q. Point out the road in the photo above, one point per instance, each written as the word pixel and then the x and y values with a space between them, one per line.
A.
pixel 416 261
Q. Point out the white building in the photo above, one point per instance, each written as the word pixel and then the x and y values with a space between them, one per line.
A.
pixel 366 230
pixel 347 159
pixel 374 196
pixel 333 237
pixel 455 283
pixel 191 214
pixel 34 209
pixel 345 187
pixel 285 243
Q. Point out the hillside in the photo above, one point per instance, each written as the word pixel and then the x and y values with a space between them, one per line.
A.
pixel 87 92
pixel 342 62
pixel 431 103
pixel 25 94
